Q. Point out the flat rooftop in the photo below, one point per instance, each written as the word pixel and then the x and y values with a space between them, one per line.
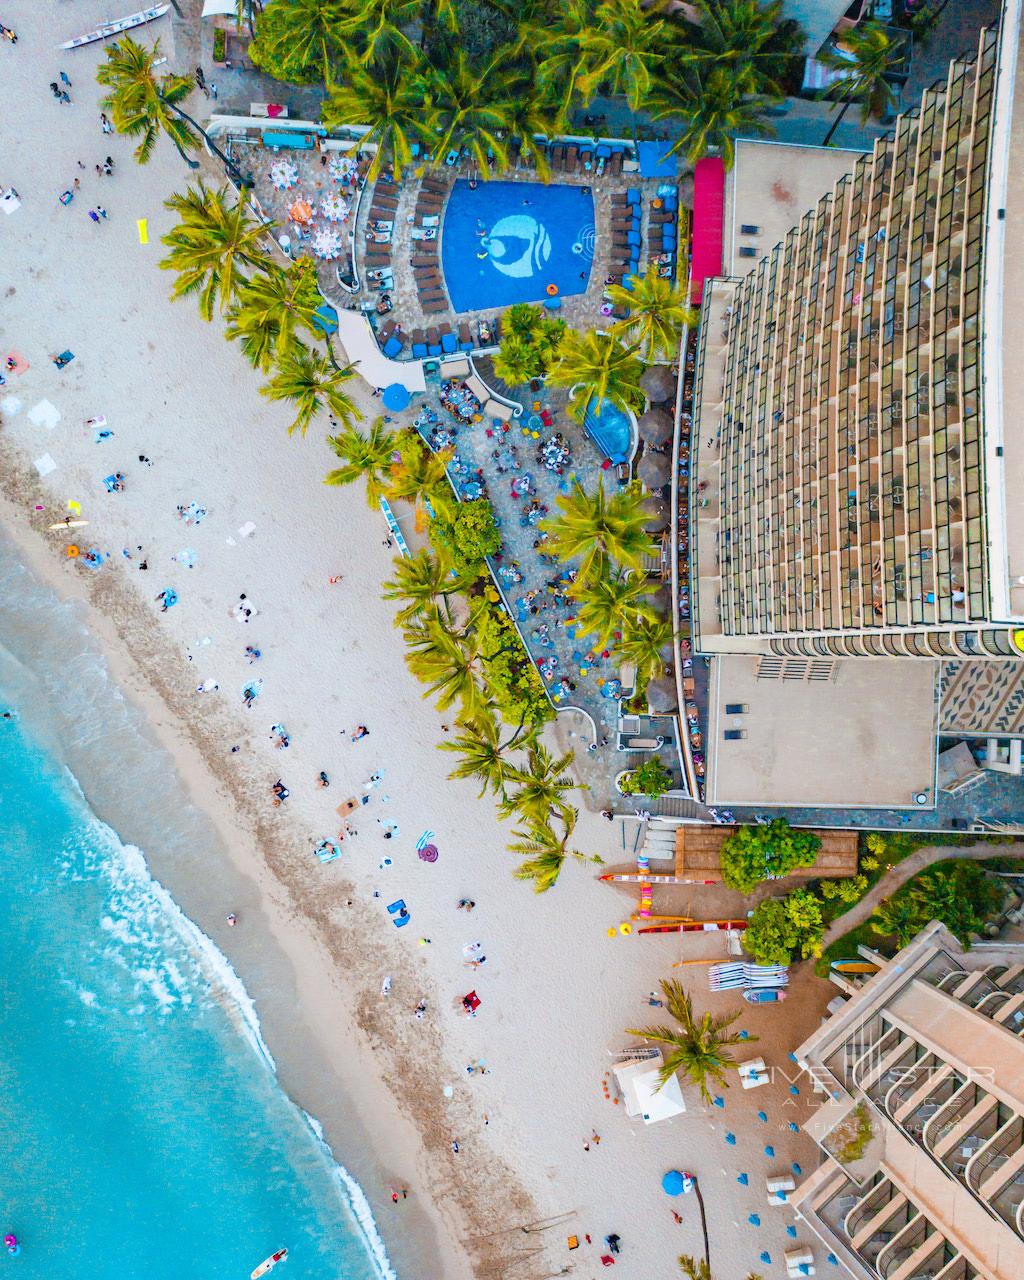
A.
pixel 771 186
pixel 867 738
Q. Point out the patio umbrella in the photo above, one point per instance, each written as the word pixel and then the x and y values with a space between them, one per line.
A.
pixel 396 397
pixel 661 694
pixel 658 515
pixel 662 600
pixel 656 426
pixel 654 470
pixel 673 1183
pixel 658 383
pixel 300 211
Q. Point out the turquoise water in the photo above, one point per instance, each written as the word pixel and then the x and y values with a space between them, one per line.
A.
pixel 142 1128
pixel 610 428
pixel 505 242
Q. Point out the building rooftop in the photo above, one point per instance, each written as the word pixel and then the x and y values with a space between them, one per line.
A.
pixel 865 737
pixel 699 853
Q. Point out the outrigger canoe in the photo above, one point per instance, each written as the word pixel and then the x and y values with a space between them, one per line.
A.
pixel 121 24
pixel 268 1264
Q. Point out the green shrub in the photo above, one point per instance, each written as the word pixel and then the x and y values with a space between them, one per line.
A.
pixel 782 929
pixel 830 889
pixel 868 863
pixel 509 673
pixel 220 45
pixel 853 890
pixel 651 779
pixel 849 1140
pixel 465 535
pixel 767 852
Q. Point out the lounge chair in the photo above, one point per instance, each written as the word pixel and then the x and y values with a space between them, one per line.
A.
pixel 662 216
pixel 435 184
pixel 615 163
pixel 625 224
pixel 434 308
pixel 416 262
pixel 433 341
pixel 375 261
pixel 386 330
pixel 448 342
pixel 558 155
pixel 572 158
pixel 465 337
pixel 586 156
pixel 384 202
pixel 393 347
pixel 432 295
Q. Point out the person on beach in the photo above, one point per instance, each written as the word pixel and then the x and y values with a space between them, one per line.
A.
pixel 466 904
pixel 281 793
pixel 252 653
pixel 360 733
pixel 322 779
pixel 231 918
pixel 167 598
pixel 421 1009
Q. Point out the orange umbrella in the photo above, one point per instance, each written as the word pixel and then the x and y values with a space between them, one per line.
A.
pixel 300 211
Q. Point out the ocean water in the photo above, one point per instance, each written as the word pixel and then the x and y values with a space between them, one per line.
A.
pixel 143 1132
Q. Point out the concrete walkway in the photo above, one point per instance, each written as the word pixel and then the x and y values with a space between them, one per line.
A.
pixel 906 870
pixel 374 367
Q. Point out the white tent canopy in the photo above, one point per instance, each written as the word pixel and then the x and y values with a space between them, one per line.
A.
pixel 219 8
pixel 638 1082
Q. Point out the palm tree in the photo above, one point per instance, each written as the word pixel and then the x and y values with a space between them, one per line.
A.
pixel 390 102
pixel 644 636
pixel 526 117
pixel 482 754
pixel 700 1048
pixel 272 305
pixel 750 35
pixel 658 309
pixel 607 600
pixel 467 109
pixel 211 244
pixel 698 1269
pixel 545 851
pixel 370 458
pixel 516 360
pixel 625 44
pixel 562 60
pixel 309 380
pixel 421 580
pixel 714 103
pixel 542 787
pixel 245 13
pixel 446 662
pixel 143 105
pixel 421 475
pixel 595 528
pixel 875 56
pixel 900 917
pixel 375 28
pixel 610 372
pixel 301 41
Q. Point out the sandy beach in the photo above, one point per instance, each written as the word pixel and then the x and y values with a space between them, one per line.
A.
pixel 314 942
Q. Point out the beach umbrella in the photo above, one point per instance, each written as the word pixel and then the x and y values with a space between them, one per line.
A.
pixel 658 516
pixel 396 397
pixel 675 1183
pixel 658 383
pixel 718 1100
pixel 754 1219
pixel 661 694
pixel 655 426
pixel 833 1259
pixel 794 1127
pixel 654 470
pixel 770 1152
pixel 796 1168
pixel 763 1116
pixel 766 1258
pixel 791 1231
pixel 744 1180
pixel 731 1139
pixel 794 1090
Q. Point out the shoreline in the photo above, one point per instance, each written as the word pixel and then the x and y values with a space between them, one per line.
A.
pixel 301 958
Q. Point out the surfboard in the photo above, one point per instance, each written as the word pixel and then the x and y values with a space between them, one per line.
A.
pixel 268 1264
pixel 69 524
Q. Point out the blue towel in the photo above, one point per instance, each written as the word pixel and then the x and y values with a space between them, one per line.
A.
pixel 632 196
pixel 392 347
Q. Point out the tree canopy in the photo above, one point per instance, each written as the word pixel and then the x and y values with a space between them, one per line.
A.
pixel 766 852
pixel 786 929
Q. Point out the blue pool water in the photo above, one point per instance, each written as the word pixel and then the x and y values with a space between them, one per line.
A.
pixel 532 236
pixel 610 429
pixel 143 1130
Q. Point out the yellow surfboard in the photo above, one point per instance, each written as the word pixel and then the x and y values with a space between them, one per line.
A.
pixel 143 225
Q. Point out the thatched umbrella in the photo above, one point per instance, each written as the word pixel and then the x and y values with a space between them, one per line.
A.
pixel 655 426
pixel 658 516
pixel 661 694
pixel 654 470
pixel 658 383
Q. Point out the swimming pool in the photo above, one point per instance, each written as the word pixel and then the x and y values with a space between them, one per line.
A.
pixel 610 429
pixel 505 242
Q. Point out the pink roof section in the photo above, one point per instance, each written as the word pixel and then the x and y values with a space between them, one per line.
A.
pixel 708 218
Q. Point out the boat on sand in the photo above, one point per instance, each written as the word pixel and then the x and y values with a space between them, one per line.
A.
pixel 116 27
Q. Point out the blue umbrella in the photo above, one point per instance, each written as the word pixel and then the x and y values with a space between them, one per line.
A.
pixel 770 1151
pixel 396 397
pixel 743 1180
pixel 744 1035
pixel 766 1258
pixel 794 1127
pixel 833 1259
pixel 326 319
pixel 673 1183
pixel 791 1231
pixel 794 1090
pixel 763 1116
pixel 754 1220
pixel 718 1100
pixel 796 1169
pixel 731 1139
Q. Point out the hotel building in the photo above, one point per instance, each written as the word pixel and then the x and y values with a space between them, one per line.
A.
pixel 922 1133
pixel 857 485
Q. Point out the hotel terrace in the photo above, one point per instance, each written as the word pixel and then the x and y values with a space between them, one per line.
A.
pixel 923 1132
pixel 855 489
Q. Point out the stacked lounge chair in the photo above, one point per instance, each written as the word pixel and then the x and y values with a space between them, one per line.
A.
pixel 626 235
pixel 419 344
pixel 663 232
pixel 390 338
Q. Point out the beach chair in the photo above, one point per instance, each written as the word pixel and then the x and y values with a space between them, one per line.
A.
pixel 384 202
pixel 615 163
pixel 386 330
pixel 393 347
pixel 435 182
pixel 586 157
pixel 433 341
pixel 448 342
pixel 399 913
pixel 572 158
pixel 465 337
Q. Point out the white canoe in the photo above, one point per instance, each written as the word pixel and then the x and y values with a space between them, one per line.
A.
pixel 115 28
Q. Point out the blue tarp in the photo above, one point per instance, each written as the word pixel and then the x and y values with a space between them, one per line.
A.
pixel 654 162
pixel 326 318
pixel 297 141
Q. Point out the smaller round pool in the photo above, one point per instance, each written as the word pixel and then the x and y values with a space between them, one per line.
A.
pixel 610 429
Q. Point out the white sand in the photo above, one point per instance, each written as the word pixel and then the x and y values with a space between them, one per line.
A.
pixel 557 993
